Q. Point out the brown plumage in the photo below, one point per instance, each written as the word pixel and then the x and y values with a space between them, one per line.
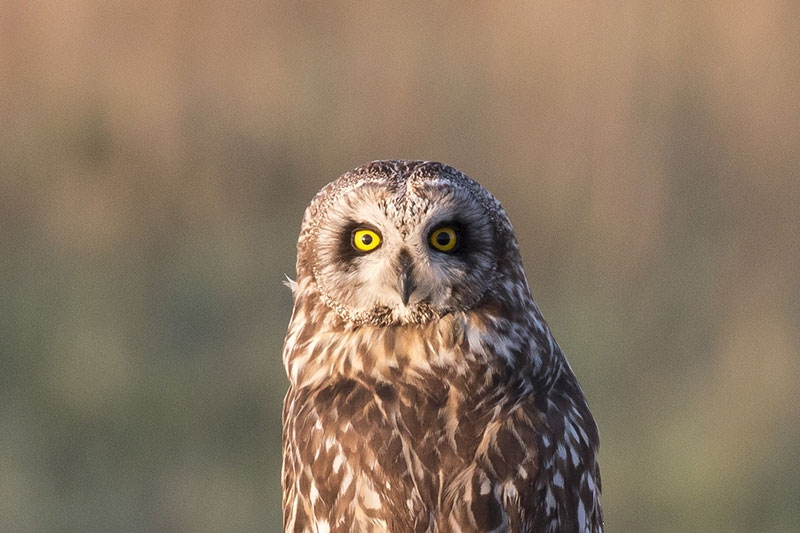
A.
pixel 426 391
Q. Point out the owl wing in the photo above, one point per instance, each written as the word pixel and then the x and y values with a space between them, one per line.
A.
pixel 535 470
pixel 569 446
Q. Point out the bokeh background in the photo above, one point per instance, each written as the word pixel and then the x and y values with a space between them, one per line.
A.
pixel 156 158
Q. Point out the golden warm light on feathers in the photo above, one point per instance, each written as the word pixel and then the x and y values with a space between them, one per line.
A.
pixel 427 393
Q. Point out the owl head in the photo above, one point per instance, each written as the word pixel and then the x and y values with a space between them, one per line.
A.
pixel 403 242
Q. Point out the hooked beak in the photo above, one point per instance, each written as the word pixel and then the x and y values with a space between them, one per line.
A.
pixel 406 272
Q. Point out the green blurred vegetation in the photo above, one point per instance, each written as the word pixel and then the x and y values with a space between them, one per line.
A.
pixel 155 160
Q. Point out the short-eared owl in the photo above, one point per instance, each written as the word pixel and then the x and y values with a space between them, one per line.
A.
pixel 426 391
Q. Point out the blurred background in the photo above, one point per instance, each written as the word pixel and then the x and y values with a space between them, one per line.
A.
pixel 156 158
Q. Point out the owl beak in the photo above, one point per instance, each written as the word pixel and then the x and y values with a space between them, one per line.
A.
pixel 407 285
pixel 406 271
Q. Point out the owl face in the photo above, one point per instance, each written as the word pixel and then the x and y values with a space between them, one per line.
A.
pixel 403 247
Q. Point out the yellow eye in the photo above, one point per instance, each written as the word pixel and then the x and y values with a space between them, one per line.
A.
pixel 366 240
pixel 444 239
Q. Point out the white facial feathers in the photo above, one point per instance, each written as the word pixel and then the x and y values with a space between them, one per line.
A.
pixel 405 279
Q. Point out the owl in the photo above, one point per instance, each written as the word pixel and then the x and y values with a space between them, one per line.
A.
pixel 426 393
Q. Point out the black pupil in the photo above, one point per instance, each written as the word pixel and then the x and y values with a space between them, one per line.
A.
pixel 366 239
pixel 443 238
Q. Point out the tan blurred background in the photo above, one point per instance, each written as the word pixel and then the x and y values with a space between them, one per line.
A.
pixel 155 160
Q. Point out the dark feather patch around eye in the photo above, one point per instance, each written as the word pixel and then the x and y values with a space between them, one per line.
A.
pixel 345 251
pixel 462 234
